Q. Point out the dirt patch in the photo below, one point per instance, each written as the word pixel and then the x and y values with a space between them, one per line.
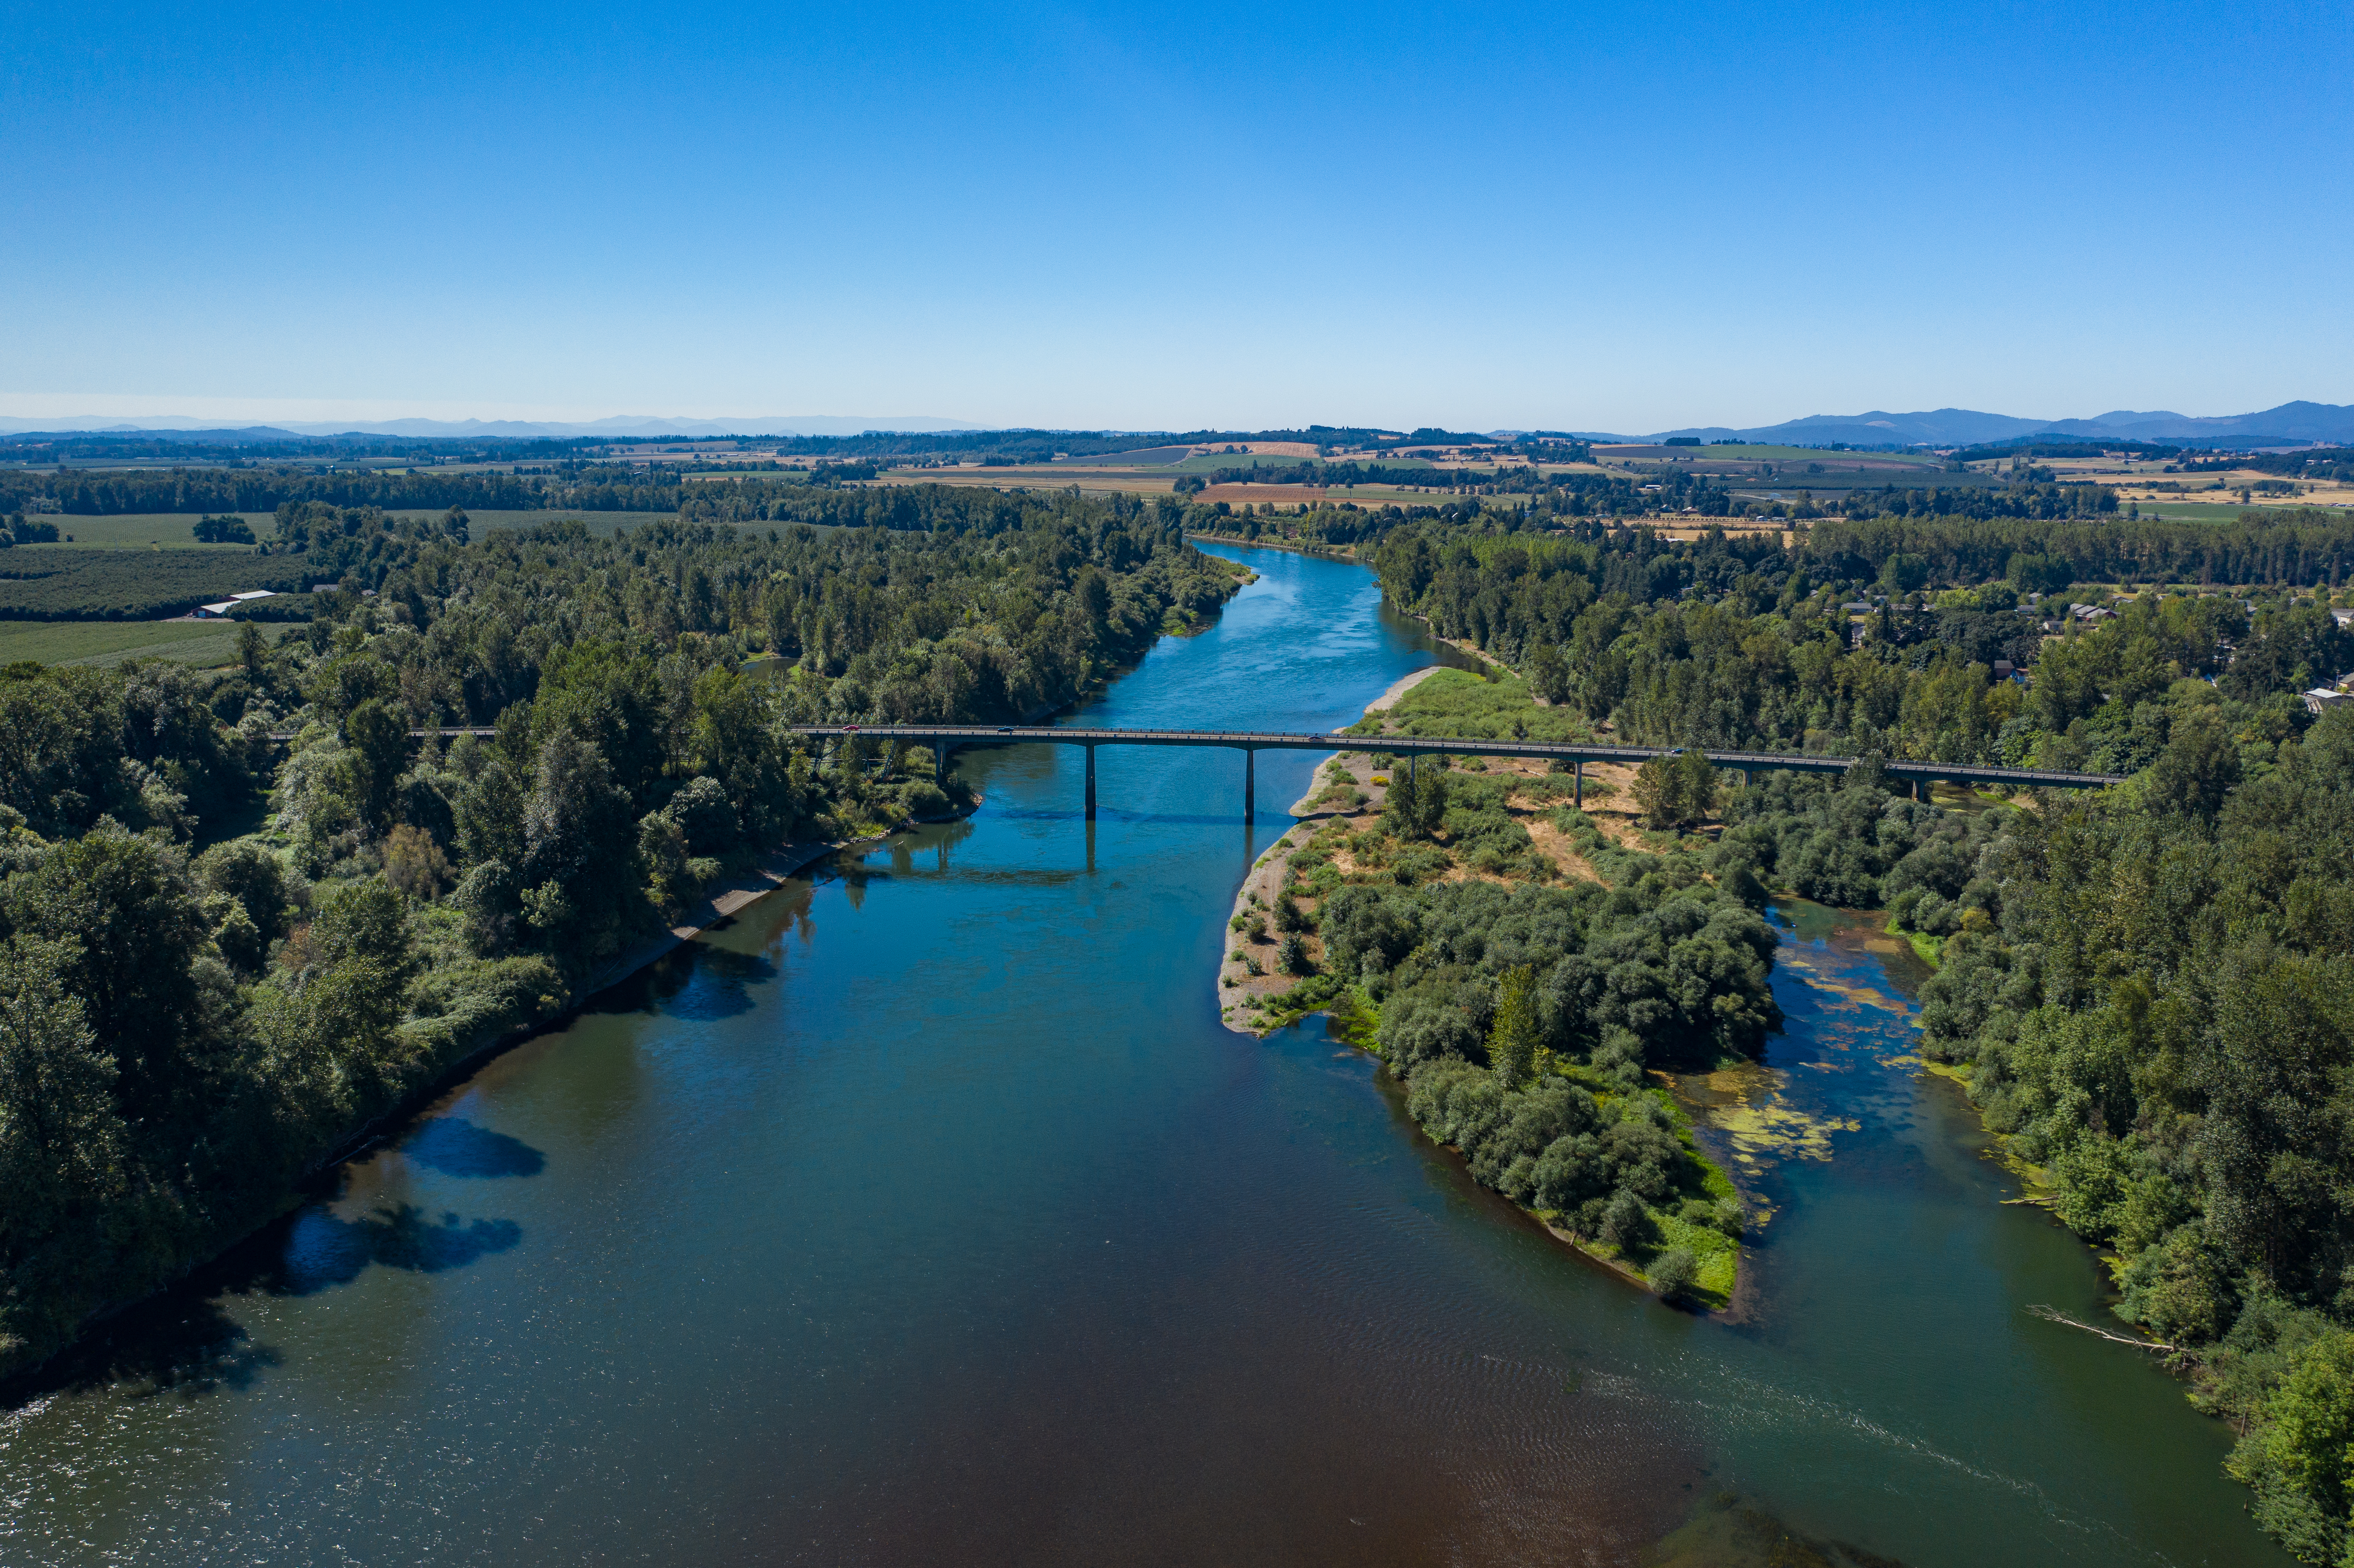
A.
pixel 1554 845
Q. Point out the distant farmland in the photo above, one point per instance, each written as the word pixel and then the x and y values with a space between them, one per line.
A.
pixel 173 530
pixel 66 582
pixel 145 530
pixel 1146 457
pixel 203 643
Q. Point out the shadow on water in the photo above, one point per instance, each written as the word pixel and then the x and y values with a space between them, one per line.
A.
pixel 455 1147
pixel 323 1249
pixel 181 1345
pixel 183 1342
pixel 694 980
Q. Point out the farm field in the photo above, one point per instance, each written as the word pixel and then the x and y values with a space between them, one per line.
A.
pixel 148 530
pixel 1311 495
pixel 1765 454
pixel 1105 481
pixel 68 582
pixel 2230 510
pixel 1210 463
pixel 203 643
pixel 1144 457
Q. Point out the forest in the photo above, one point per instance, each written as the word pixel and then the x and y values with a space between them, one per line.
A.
pixel 2147 989
pixel 224 957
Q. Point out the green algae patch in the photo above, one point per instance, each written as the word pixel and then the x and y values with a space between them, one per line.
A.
pixel 1748 1105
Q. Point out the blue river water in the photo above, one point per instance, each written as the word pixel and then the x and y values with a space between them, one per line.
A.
pixel 926 1214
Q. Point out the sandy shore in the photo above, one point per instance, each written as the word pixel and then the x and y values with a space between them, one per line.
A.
pixel 1339 780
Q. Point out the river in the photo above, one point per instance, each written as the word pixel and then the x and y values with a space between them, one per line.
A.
pixel 926 1214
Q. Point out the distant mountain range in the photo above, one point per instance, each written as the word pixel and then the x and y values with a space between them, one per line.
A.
pixel 2288 425
pixel 622 427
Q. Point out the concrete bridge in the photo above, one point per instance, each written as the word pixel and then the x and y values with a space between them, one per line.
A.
pixel 1920 775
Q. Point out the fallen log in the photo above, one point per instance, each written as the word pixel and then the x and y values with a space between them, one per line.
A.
pixel 2053 1315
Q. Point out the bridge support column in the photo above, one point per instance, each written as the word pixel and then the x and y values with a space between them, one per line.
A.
pixel 1250 784
pixel 1091 783
pixel 940 763
pixel 1578 788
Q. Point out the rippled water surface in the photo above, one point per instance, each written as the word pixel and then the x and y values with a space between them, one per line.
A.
pixel 926 1214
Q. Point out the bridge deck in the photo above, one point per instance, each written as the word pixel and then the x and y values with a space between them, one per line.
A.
pixel 1407 745
pixel 1434 746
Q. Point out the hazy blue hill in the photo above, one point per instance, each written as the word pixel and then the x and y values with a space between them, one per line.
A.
pixel 2300 422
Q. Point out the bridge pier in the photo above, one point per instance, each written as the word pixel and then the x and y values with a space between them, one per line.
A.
pixel 1250 783
pixel 1091 783
pixel 940 763
pixel 1578 789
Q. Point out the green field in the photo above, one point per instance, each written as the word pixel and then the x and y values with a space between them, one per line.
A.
pixel 2202 511
pixel 1214 462
pixel 144 530
pixel 1807 454
pixel 102 642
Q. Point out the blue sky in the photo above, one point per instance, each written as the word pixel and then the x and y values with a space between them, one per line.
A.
pixel 1599 216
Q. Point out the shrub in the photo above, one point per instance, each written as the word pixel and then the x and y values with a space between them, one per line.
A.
pixel 414 864
pixel 1673 1272
pixel 1625 1223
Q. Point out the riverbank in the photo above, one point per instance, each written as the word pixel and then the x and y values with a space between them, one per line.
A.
pixel 1345 786
pixel 717 902
pixel 727 898
pixel 1274 973
pixel 1326 552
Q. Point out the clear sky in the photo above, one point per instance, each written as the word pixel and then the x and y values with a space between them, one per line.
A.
pixel 1598 217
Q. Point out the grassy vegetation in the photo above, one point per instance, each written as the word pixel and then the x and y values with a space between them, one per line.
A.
pixel 1460 702
pixel 1926 947
pixel 203 643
